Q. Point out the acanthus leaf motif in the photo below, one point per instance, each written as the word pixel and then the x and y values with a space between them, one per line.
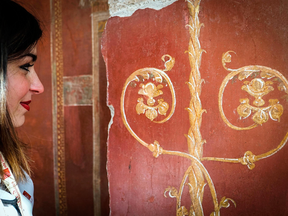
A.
pixel 243 109
pixel 276 110
pixel 260 117
pixel 245 74
pixel 140 107
pixel 169 64
pixel 226 57
pixel 225 202
pixel 182 211
pixel 266 74
pixel 282 87
pixel 163 107
pixel 172 192
pixel 151 114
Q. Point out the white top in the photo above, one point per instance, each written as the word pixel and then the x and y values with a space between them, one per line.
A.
pixel 27 196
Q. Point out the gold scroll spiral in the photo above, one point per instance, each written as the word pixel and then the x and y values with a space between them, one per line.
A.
pixel 196 176
pixel 257 88
pixel 156 149
pixel 158 76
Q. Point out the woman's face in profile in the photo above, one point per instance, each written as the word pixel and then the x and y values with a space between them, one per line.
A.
pixel 22 83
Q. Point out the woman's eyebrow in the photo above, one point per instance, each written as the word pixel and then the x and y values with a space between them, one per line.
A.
pixel 33 56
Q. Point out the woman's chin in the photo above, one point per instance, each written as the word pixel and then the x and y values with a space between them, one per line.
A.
pixel 18 122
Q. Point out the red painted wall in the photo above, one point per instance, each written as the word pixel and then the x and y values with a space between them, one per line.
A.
pixel 77 60
pixel 257 32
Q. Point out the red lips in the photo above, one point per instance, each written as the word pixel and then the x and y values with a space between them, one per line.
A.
pixel 25 104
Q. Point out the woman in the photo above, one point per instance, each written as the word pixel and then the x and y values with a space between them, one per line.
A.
pixel 19 33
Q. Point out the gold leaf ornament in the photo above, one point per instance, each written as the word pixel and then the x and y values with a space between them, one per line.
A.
pixel 226 58
pixel 225 202
pixel 156 149
pixel 163 107
pixel 243 109
pixel 173 193
pixel 267 75
pixel 282 87
pixel 169 64
pixel 151 114
pixel 140 107
pixel 248 159
pixel 150 90
pixel 260 117
pixel 182 211
pixel 245 74
pixel 276 109
pixel 257 88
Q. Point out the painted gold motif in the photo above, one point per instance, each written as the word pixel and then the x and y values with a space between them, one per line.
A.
pixel 275 110
pixel 194 138
pixel 156 149
pixel 257 88
pixel 196 176
pixel 150 90
pixel 248 159
pixel 158 76
pixel 182 211
pixel 257 82
pixel 224 203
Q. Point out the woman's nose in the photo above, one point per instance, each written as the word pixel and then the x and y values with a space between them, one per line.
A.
pixel 36 85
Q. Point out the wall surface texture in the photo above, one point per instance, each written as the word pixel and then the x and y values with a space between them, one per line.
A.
pixel 198 118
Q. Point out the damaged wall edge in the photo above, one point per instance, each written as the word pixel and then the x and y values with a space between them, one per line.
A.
pixel 125 8
pixel 96 17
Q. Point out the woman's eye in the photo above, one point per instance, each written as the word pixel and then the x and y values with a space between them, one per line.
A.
pixel 26 66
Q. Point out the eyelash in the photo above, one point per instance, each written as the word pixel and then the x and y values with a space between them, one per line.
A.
pixel 26 66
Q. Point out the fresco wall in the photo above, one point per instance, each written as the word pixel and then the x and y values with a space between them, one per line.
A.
pixel 200 120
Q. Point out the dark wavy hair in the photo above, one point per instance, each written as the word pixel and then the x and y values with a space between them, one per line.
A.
pixel 19 34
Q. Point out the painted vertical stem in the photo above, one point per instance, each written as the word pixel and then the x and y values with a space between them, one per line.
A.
pixel 194 138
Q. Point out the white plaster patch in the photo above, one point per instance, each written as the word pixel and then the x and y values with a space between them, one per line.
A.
pixel 112 112
pixel 125 8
